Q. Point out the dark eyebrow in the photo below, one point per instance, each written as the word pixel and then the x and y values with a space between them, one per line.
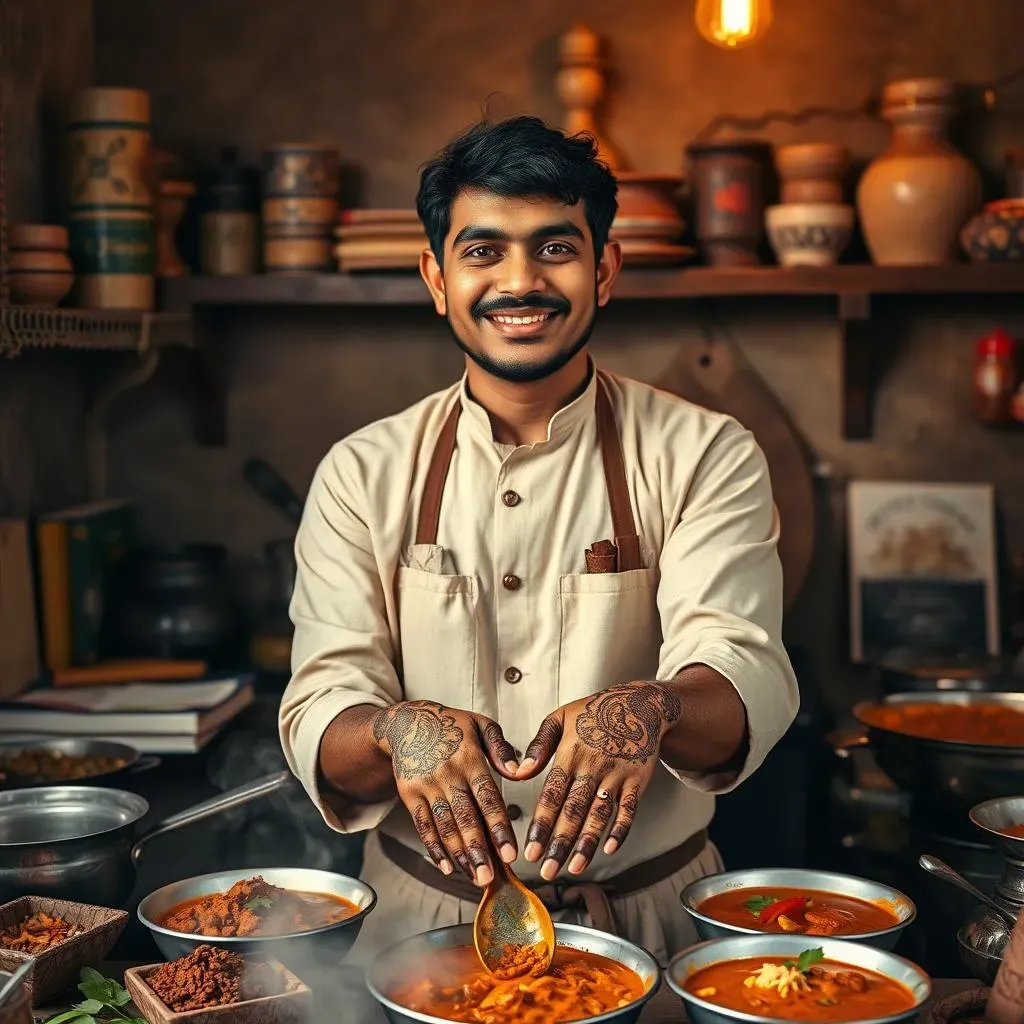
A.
pixel 480 233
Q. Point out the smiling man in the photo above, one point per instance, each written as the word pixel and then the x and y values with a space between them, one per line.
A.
pixel 538 614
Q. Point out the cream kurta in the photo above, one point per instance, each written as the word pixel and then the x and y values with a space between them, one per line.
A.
pixel 379 619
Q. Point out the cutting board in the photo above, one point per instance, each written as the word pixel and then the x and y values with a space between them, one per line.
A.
pixel 719 377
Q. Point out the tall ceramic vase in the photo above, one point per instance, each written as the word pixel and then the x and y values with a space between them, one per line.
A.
pixel 914 198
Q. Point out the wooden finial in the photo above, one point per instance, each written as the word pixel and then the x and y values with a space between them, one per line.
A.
pixel 580 83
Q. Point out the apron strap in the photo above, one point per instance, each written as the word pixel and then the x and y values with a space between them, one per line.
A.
pixel 627 539
pixel 437 474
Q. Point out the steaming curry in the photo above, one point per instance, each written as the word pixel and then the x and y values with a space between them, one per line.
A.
pixel 805 911
pixel 810 988
pixel 578 985
pixel 255 907
pixel 994 725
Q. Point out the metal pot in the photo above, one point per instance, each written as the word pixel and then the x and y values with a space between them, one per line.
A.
pixel 77 746
pixel 77 842
pixel 419 952
pixel 945 778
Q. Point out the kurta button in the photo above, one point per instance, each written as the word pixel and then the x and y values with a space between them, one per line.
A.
pixel 511 499
pixel 510 582
pixel 512 674
pixel 515 812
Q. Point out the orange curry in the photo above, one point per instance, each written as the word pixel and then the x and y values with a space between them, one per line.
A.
pixel 578 985
pixel 985 724
pixel 805 911
pixel 807 989
pixel 1014 831
pixel 255 907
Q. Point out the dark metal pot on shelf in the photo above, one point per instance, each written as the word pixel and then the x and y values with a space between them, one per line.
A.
pixel 172 602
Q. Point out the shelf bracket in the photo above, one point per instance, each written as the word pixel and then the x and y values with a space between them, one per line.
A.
pixel 857 339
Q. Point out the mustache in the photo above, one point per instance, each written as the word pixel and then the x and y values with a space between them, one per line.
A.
pixel 509 303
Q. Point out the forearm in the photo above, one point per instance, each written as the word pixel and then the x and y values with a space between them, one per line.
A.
pixel 711 734
pixel 352 763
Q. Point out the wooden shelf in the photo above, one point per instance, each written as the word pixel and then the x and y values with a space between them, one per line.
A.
pixel 210 301
pixel 406 288
pixel 23 327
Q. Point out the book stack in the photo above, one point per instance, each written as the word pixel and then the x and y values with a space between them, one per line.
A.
pixel 379 240
pixel 155 718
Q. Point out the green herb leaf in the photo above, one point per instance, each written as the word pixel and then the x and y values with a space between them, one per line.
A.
pixel 808 958
pixel 259 901
pixel 756 904
pixel 89 1006
pixel 67 1015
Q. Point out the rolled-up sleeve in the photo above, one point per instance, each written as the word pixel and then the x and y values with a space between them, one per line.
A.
pixel 342 652
pixel 720 594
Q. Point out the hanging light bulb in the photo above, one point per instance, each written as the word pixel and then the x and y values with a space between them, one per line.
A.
pixel 733 23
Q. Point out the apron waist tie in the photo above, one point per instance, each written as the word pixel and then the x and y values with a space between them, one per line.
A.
pixel 594 897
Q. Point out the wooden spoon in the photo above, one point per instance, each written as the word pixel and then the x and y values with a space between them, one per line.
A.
pixel 510 915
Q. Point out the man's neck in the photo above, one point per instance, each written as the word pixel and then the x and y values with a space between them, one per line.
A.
pixel 520 412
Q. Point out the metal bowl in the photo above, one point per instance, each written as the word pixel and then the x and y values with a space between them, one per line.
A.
pixel 393 965
pixel 319 947
pixel 75 746
pixel 856 954
pixel 993 817
pixel 797 878
pixel 982 941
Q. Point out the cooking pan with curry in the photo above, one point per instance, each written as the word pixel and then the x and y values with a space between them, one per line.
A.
pixel 949 750
pixel 68 761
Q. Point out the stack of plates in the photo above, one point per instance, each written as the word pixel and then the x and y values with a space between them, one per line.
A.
pixel 379 240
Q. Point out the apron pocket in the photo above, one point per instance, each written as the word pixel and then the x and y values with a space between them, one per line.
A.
pixel 437 623
pixel 610 631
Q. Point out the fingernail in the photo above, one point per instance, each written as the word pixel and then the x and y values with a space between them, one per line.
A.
pixel 577 864
pixel 549 869
pixel 508 853
pixel 611 846
pixel 484 875
pixel 446 866
pixel 533 851
pixel 527 765
pixel 512 767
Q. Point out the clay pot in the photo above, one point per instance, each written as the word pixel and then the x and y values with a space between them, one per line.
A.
pixel 39 267
pixel 809 234
pixel 729 178
pixel 914 198
pixel 812 172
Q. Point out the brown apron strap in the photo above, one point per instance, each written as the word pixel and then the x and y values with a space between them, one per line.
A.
pixel 437 474
pixel 595 897
pixel 627 539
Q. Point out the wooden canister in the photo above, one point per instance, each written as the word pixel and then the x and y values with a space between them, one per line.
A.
pixel 300 207
pixel 229 217
pixel 110 210
pixel 39 267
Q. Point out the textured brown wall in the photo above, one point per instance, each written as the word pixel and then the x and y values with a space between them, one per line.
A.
pixel 45 54
pixel 389 80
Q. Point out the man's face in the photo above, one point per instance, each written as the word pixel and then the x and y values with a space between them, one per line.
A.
pixel 520 285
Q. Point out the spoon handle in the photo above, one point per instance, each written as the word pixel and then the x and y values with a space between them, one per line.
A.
pixel 940 869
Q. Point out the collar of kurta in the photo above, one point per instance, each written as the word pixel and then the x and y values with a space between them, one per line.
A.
pixel 563 424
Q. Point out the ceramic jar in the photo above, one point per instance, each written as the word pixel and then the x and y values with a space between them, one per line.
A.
pixel 812 172
pixel 39 267
pixel 728 180
pixel 916 196
pixel 229 218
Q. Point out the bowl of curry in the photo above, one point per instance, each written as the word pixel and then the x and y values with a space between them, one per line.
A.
pixel 437 977
pixel 797 901
pixel 762 978
pixel 298 915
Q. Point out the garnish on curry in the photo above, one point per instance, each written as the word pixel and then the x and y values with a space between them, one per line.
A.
pixel 809 988
pixel 255 907
pixel 805 911
pixel 578 985
pixel 994 725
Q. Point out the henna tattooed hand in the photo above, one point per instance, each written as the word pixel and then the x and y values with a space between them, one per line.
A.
pixel 442 759
pixel 603 750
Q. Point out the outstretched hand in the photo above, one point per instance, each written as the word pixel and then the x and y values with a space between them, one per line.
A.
pixel 602 750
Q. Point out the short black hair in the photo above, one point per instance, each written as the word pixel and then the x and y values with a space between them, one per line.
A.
pixel 517 157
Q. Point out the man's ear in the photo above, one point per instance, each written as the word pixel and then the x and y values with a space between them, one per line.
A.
pixel 608 270
pixel 430 271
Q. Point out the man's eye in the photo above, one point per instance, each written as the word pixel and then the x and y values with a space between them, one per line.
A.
pixel 557 249
pixel 481 252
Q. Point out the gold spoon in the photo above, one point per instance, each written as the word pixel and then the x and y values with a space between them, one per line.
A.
pixel 510 915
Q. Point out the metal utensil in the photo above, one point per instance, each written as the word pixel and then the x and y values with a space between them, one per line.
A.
pixel 76 746
pixel 856 954
pixel 13 982
pixel 940 869
pixel 77 842
pixel 317 946
pixel 509 914
pixel 394 967
pixel 996 817
pixel 694 894
pixel 982 942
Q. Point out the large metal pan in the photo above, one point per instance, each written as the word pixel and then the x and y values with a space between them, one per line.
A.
pixel 945 778
pixel 75 746
pixel 79 843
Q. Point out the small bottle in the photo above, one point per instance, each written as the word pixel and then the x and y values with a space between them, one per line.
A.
pixel 229 219
pixel 995 377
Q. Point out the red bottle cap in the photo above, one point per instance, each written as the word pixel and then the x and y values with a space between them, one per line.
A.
pixel 997 345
